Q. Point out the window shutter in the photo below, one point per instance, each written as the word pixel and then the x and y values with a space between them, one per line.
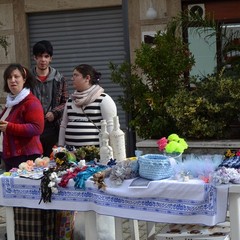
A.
pixel 91 36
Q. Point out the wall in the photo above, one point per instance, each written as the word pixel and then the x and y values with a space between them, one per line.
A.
pixel 139 23
pixel 223 10
pixel 6 29
pixel 194 147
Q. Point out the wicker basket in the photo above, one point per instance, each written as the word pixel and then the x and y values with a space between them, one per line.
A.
pixel 155 166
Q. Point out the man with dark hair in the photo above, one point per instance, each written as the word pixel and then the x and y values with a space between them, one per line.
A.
pixel 51 90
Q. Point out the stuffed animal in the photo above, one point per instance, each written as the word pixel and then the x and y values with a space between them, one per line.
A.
pixel 56 149
pixel 61 154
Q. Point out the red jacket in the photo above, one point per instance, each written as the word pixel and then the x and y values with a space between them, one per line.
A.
pixel 25 124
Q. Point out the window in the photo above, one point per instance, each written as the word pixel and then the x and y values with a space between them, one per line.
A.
pixel 230 44
pixel 202 44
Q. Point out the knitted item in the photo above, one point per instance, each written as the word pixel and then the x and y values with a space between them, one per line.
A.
pixel 155 167
pixel 65 225
pixel 69 175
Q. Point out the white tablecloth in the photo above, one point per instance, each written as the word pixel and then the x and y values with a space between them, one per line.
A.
pixel 168 201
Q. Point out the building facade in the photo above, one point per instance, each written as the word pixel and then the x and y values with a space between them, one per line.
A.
pixel 17 16
pixel 96 31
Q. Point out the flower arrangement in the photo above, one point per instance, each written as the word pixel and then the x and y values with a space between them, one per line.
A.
pixel 231 159
pixel 231 153
pixel 88 153
pixel 172 144
pixel 225 175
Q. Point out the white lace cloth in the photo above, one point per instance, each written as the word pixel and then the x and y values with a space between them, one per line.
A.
pixel 168 201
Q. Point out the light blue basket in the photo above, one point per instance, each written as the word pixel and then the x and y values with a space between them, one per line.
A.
pixel 154 167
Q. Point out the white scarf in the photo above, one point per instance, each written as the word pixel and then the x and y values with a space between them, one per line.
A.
pixel 13 100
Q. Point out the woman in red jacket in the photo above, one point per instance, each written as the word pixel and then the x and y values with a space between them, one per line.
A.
pixel 22 120
pixel 21 124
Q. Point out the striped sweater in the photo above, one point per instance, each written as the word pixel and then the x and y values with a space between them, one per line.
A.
pixel 80 128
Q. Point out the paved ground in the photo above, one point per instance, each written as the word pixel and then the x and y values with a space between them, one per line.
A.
pixel 2 223
pixel 2 231
pixel 126 230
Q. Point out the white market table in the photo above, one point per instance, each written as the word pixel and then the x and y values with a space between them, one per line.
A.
pixel 166 201
pixel 234 209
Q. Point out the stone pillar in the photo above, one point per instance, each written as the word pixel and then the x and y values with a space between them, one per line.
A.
pixel 6 30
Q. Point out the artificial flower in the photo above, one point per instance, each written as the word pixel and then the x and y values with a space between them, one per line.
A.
pixel 172 144
pixel 225 175
pixel 162 143
pixel 230 153
pixel 238 153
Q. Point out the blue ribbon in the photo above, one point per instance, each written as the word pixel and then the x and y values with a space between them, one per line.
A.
pixel 83 176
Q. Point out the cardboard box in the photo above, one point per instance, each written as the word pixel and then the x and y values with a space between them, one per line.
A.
pixel 195 232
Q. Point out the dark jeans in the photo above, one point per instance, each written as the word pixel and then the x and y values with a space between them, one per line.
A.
pixel 49 138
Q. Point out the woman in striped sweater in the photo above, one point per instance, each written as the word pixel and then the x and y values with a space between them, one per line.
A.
pixel 80 126
pixel 85 109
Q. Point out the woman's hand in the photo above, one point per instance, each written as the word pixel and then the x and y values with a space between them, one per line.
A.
pixel 49 116
pixel 3 125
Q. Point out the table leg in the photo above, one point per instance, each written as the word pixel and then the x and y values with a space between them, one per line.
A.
pixel 118 228
pixel 150 230
pixel 234 210
pixel 10 223
pixel 90 226
pixel 134 229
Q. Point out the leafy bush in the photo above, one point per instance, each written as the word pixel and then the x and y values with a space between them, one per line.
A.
pixel 207 111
